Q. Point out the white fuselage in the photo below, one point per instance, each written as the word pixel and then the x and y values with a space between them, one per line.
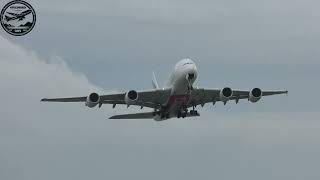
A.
pixel 181 81
pixel 181 77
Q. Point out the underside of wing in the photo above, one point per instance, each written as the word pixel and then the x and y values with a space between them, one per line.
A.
pixel 148 98
pixel 201 96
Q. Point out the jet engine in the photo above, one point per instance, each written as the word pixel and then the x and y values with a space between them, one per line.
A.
pixel 255 95
pixel 92 100
pixel 225 94
pixel 131 97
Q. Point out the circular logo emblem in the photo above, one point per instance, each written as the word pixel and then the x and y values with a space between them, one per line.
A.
pixel 18 18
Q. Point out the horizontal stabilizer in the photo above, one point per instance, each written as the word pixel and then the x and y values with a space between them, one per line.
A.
pixel 144 115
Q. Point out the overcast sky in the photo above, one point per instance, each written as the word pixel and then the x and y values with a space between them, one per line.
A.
pixel 78 47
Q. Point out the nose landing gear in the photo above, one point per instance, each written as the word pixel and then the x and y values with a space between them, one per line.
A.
pixel 189 78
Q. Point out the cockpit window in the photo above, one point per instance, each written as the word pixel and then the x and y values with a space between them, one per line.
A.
pixel 187 63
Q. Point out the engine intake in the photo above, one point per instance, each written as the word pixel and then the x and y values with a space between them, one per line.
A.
pixel 131 97
pixel 92 100
pixel 255 95
pixel 225 94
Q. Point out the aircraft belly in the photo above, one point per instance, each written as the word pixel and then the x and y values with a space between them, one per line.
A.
pixel 176 102
pixel 179 97
pixel 180 87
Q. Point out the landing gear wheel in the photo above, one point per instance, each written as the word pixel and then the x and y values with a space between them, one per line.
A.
pixel 178 115
pixel 156 113
pixel 194 112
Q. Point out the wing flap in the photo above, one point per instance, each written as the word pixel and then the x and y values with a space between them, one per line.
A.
pixel 73 99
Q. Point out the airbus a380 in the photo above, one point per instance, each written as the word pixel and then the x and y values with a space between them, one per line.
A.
pixel 173 100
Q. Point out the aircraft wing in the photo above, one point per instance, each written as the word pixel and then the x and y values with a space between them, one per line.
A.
pixel 201 96
pixel 13 14
pixel 148 98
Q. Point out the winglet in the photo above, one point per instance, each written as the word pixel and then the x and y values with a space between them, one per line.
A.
pixel 154 81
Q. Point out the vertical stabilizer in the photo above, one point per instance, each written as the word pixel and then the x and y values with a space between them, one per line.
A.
pixel 154 81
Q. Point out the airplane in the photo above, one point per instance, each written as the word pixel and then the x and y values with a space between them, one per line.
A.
pixel 20 16
pixel 173 100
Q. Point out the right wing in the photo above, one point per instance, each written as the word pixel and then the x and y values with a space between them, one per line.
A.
pixel 201 96
pixel 149 98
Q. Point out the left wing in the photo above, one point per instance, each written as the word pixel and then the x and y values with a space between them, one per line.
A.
pixel 201 96
pixel 13 14
pixel 147 98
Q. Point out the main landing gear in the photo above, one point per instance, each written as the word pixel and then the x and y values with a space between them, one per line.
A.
pixel 184 112
pixel 193 111
pixel 190 77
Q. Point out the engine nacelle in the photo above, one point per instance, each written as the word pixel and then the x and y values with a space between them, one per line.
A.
pixel 92 100
pixel 131 97
pixel 225 94
pixel 255 95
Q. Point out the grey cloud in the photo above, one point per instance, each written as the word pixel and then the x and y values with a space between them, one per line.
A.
pixel 69 141
pixel 242 32
pixel 181 11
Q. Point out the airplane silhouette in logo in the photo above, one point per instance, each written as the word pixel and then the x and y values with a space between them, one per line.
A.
pixel 15 16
